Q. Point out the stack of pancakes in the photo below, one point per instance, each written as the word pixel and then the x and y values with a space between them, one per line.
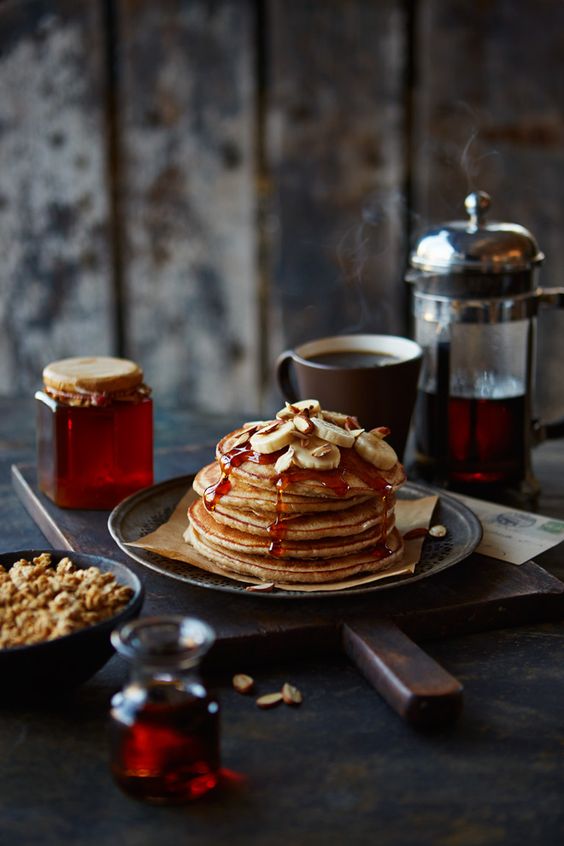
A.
pixel 286 501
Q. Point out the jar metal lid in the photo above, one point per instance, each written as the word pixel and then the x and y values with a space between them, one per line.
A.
pixel 92 375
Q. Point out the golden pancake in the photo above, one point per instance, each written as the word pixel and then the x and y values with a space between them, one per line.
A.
pixel 296 526
pixel 314 571
pixel 240 494
pixel 314 547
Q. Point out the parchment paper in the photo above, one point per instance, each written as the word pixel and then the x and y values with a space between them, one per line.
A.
pixel 168 542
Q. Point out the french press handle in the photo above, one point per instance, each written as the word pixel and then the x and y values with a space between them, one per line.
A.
pixel 549 299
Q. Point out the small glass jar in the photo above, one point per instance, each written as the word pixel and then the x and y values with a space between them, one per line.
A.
pixel 94 432
pixel 164 730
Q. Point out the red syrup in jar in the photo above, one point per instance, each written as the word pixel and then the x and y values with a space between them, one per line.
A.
pixel 166 752
pixel 164 723
pixel 94 447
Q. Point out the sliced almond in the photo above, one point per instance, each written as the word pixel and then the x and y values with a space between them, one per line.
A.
pixel 269 700
pixel 243 683
pixel 271 427
pixel 322 450
pixel 243 438
pixel 438 531
pixel 291 695
pixel 285 461
pixel 351 423
pixel 303 423
pixel 305 454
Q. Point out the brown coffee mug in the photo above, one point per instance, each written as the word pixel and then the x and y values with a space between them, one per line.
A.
pixel 373 377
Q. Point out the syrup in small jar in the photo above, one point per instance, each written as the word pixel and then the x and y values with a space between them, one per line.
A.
pixel 94 432
pixel 164 725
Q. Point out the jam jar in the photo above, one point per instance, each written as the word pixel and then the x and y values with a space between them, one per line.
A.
pixel 94 432
pixel 164 724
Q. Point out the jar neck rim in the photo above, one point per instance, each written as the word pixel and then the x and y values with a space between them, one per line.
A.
pixel 164 643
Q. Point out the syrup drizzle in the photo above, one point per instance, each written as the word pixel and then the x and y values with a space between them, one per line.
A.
pixel 234 458
pixel 335 480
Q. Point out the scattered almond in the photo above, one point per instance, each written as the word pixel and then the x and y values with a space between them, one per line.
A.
pixel 269 700
pixel 243 683
pixel 438 531
pixel 419 532
pixel 264 587
pixel 291 695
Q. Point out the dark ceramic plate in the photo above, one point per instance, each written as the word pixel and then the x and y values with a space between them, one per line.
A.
pixel 146 510
pixel 54 666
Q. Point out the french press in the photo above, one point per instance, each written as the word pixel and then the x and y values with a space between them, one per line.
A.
pixel 475 303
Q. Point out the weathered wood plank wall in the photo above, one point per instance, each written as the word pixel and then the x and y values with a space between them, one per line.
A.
pixel 489 114
pixel 199 183
pixel 55 268
pixel 187 98
pixel 336 157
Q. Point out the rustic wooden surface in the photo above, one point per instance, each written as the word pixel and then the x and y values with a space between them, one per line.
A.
pixel 476 595
pixel 200 184
pixel 338 769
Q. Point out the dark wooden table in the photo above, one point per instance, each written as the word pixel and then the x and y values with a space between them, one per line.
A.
pixel 341 769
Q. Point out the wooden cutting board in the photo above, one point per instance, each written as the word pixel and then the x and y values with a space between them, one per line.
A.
pixel 374 630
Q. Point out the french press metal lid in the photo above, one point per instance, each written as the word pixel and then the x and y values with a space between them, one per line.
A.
pixel 476 258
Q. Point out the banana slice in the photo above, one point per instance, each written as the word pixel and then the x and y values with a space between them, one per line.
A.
pixel 274 436
pixel 290 409
pixel 332 433
pixel 315 454
pixel 375 450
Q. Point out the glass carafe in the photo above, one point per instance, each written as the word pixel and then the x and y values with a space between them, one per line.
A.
pixel 472 415
pixel 164 724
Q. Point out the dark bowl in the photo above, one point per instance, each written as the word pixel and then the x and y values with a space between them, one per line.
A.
pixel 50 668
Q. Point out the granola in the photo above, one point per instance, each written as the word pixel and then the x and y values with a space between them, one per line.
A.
pixel 40 601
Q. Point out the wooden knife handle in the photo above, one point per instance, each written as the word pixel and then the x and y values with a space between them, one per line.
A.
pixel 418 688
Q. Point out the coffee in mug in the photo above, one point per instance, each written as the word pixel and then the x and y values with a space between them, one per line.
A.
pixel 372 377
